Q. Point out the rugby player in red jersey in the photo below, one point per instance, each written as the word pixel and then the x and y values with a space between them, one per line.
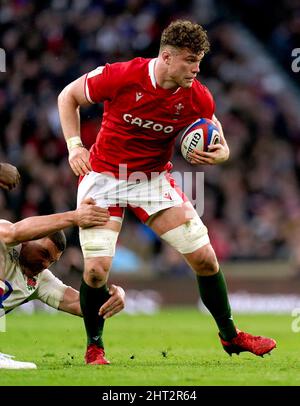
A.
pixel 146 103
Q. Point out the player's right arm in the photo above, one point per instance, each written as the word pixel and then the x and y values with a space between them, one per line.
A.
pixel 69 102
pixel 32 228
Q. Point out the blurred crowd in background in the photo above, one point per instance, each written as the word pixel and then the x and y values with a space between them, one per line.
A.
pixel 252 203
pixel 277 24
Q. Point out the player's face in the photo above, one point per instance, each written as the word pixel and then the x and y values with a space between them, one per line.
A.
pixel 183 67
pixel 35 256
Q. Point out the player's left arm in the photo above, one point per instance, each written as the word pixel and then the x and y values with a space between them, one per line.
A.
pixel 71 304
pixel 88 214
pixel 217 153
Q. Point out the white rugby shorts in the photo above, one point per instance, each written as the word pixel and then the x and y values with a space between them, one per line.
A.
pixel 144 197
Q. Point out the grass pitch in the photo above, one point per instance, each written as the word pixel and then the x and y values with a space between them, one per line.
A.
pixel 174 347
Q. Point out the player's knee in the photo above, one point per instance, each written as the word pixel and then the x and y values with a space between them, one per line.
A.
pixel 97 269
pixel 204 261
pixel 187 237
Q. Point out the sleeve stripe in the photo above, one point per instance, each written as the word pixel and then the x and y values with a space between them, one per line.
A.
pixel 86 90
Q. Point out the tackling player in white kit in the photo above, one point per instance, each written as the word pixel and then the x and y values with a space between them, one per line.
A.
pixel 27 249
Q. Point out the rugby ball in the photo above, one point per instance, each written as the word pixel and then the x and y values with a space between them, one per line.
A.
pixel 198 135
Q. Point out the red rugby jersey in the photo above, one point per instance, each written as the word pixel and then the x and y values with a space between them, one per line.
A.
pixel 141 120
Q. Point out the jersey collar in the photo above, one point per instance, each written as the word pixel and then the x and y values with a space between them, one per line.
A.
pixel 151 68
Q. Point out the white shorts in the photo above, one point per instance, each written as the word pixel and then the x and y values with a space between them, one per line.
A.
pixel 144 197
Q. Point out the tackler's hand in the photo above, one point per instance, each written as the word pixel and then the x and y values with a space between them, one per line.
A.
pixel 114 304
pixel 90 215
pixel 9 176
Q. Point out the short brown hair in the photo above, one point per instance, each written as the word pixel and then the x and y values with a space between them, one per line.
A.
pixel 185 34
pixel 59 240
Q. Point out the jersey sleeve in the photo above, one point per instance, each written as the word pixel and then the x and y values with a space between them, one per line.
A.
pixel 103 82
pixel 2 221
pixel 51 290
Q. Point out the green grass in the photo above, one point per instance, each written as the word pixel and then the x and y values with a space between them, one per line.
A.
pixel 174 347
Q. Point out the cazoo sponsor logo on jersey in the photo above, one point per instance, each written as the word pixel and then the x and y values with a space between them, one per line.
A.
pixel 147 123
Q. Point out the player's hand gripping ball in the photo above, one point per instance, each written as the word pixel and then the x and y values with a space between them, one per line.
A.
pixel 198 135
